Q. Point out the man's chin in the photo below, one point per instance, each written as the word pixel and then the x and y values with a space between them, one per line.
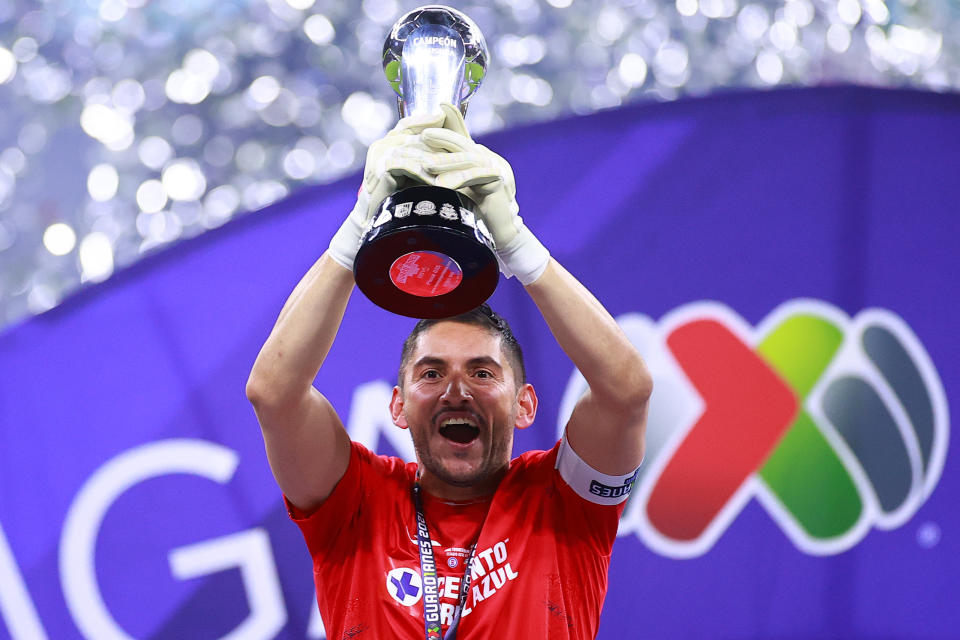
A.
pixel 460 469
pixel 460 477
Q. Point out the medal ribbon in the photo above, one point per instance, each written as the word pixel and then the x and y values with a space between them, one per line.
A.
pixel 428 571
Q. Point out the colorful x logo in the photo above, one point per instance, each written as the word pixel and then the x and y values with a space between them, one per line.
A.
pixel 833 424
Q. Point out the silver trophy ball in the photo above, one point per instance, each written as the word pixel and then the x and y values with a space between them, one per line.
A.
pixel 434 54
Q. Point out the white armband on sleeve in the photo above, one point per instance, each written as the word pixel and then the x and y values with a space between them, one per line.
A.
pixel 590 484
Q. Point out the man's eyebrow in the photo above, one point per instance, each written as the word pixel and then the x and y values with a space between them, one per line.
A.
pixel 429 360
pixel 483 361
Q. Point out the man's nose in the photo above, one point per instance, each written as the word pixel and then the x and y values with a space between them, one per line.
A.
pixel 456 389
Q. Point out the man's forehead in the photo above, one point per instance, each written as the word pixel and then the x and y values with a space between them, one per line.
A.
pixel 458 339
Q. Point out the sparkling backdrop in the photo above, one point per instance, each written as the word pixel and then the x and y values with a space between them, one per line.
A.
pixel 130 124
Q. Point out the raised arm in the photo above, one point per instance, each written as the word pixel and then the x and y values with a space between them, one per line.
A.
pixel 307 446
pixel 607 426
pixel 608 423
pixel 306 443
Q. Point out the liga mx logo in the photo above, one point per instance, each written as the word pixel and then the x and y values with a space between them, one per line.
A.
pixel 835 425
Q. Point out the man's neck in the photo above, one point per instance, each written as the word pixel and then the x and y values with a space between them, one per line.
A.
pixel 459 493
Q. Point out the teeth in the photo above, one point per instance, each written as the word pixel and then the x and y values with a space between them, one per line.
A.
pixel 449 421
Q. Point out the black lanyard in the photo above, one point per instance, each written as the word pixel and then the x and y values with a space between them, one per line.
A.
pixel 428 571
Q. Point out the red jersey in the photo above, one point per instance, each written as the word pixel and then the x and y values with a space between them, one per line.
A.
pixel 539 569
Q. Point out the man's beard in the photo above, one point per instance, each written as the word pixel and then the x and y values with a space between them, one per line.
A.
pixel 492 463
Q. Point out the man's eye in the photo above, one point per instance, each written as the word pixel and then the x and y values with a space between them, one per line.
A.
pixel 483 373
pixel 431 373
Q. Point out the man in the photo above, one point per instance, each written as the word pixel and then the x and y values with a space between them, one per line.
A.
pixel 465 543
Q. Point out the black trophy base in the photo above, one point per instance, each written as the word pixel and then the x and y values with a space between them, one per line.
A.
pixel 424 255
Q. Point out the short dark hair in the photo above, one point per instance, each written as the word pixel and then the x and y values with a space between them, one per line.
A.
pixel 483 316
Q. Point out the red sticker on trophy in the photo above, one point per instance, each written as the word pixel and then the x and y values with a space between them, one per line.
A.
pixel 426 274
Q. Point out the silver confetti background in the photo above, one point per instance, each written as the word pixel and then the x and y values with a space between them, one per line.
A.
pixel 128 125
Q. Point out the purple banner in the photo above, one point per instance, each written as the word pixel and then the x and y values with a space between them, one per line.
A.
pixel 783 262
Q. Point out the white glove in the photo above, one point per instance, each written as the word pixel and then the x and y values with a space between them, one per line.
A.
pixel 487 179
pixel 392 163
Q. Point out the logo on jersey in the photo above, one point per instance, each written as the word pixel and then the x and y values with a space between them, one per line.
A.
pixel 835 425
pixel 405 586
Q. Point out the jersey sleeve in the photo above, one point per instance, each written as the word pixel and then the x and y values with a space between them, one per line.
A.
pixel 577 505
pixel 590 484
pixel 340 511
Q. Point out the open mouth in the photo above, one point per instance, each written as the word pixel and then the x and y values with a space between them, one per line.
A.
pixel 459 430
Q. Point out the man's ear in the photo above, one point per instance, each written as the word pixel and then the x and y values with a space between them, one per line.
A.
pixel 527 402
pixel 396 409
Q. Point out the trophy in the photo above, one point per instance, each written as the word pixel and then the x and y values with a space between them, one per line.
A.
pixel 426 253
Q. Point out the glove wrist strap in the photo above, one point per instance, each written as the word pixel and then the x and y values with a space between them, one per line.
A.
pixel 524 257
pixel 346 241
